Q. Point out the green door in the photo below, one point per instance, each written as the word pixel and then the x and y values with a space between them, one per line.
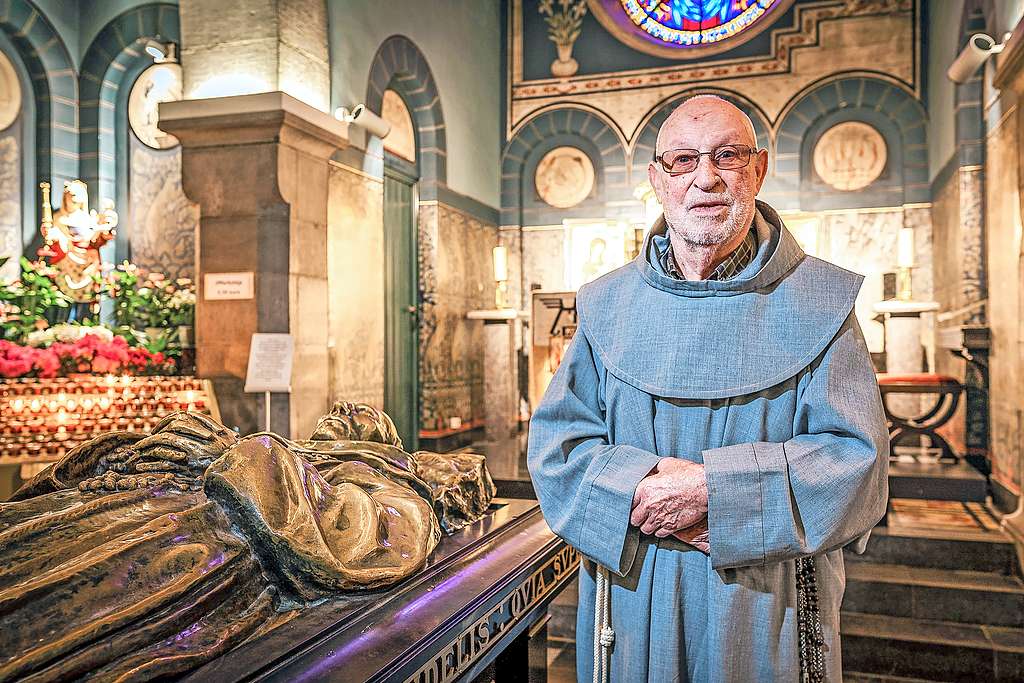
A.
pixel 401 366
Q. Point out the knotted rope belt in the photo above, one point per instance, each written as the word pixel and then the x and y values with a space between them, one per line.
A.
pixel 808 618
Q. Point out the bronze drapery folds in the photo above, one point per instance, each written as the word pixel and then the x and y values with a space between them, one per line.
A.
pixel 140 556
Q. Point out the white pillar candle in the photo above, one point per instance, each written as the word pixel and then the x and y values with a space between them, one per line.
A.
pixel 500 258
pixel 905 249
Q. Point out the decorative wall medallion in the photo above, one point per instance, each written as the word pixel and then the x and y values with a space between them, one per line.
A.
pixel 564 25
pixel 10 93
pixel 564 177
pixel 684 29
pixel 159 83
pixel 850 155
pixel 401 141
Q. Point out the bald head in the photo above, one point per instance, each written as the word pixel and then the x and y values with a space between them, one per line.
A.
pixel 697 111
pixel 708 208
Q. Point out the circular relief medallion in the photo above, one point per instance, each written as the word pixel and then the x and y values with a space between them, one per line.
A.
pixel 10 93
pixel 565 177
pixel 159 83
pixel 684 29
pixel 850 156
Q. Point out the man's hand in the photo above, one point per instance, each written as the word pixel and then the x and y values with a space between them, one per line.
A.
pixel 673 497
pixel 697 536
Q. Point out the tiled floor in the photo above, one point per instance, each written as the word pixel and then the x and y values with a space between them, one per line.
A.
pixel 940 514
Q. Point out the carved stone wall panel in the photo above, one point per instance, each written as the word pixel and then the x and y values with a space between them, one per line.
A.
pixel 355 280
pixel 971 252
pixel 850 155
pixel 865 242
pixel 946 240
pixel 10 204
pixel 544 260
pixel 455 277
pixel 163 220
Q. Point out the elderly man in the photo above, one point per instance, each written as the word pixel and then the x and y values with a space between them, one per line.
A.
pixel 714 436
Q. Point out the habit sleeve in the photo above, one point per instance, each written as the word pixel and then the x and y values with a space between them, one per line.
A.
pixel 585 486
pixel 820 490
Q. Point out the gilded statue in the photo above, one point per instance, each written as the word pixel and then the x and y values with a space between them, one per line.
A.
pixel 142 556
pixel 72 239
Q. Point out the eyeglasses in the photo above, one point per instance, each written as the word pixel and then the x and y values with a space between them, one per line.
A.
pixel 725 157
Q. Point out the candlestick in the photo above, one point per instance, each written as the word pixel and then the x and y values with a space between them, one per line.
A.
pixel 905 248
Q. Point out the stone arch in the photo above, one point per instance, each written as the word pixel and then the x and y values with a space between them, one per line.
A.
pixel 644 142
pixel 114 59
pixel 55 89
pixel 569 125
pixel 885 105
pixel 400 65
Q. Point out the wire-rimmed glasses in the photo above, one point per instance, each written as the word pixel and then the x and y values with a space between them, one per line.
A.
pixel 724 157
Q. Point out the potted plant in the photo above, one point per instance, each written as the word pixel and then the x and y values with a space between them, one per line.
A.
pixel 182 309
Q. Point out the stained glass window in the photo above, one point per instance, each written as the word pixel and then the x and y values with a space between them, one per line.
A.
pixel 689 23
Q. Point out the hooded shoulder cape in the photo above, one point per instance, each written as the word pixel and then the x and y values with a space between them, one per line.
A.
pixel 715 339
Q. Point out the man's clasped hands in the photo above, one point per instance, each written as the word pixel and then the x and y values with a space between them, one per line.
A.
pixel 672 500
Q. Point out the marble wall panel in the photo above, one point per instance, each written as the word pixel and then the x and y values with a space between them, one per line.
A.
pixel 162 221
pixel 543 260
pixel 355 285
pixel 10 205
pixel 1003 236
pixel 456 276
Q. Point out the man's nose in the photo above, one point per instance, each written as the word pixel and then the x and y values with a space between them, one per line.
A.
pixel 706 175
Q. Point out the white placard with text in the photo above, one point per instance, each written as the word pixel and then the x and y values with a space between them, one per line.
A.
pixel 227 286
pixel 270 363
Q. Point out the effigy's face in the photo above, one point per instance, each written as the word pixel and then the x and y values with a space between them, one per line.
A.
pixel 189 540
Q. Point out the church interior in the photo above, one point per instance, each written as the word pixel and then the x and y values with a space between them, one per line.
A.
pixel 288 217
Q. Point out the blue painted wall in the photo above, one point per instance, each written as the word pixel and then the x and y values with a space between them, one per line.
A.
pixel 598 51
pixel 460 40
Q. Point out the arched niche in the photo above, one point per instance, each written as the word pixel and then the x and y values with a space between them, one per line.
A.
pixel 887 107
pixel 582 128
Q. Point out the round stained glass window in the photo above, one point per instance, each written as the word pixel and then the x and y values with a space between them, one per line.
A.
pixel 685 29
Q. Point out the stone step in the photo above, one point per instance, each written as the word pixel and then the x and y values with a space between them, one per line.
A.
pixel 858 677
pixel 931 650
pixel 937 481
pixel 968 550
pixel 938 594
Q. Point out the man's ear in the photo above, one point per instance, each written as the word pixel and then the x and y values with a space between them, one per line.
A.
pixel 761 167
pixel 655 179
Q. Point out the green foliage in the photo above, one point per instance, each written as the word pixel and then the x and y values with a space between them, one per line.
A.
pixel 565 21
pixel 28 304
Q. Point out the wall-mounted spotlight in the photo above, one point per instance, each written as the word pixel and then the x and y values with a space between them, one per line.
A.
pixel 360 116
pixel 978 49
pixel 161 53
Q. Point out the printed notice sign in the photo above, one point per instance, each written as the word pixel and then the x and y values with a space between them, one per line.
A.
pixel 224 286
pixel 270 363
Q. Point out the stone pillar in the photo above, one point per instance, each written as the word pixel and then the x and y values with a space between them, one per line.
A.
pixel 257 167
pixel 904 353
pixel 1009 77
pixel 236 48
pixel 501 407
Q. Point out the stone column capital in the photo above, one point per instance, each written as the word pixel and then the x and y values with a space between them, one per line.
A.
pixel 271 117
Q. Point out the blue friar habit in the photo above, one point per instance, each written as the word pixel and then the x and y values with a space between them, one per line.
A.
pixel 765 379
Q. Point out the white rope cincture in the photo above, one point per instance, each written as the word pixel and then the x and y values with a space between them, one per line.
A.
pixel 604 635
